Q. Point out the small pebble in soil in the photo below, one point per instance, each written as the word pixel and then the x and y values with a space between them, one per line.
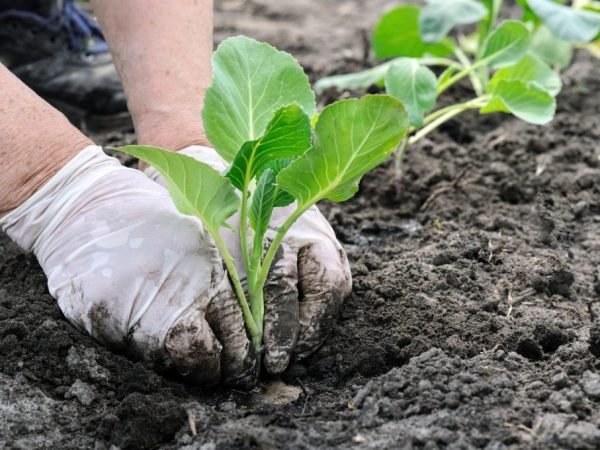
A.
pixel 279 393
pixel 560 380
pixel 83 392
pixel 590 382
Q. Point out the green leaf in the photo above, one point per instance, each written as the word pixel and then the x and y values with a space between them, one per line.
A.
pixel 397 34
pixel 528 14
pixel 263 201
pixel 438 17
pixel 529 69
pixel 251 80
pixel 527 101
pixel 358 80
pixel 282 198
pixel 196 188
pixel 589 5
pixel 570 24
pixel 506 44
pixel 550 48
pixel 351 137
pixel 414 85
pixel 286 136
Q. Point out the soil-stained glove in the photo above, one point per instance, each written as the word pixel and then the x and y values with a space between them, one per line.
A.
pixel 308 282
pixel 129 269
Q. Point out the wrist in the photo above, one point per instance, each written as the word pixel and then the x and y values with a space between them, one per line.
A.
pixel 31 222
pixel 31 170
pixel 171 129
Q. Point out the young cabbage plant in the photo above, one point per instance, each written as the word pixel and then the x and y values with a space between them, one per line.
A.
pixel 257 115
pixel 505 75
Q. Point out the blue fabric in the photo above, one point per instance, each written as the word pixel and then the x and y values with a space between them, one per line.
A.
pixel 82 31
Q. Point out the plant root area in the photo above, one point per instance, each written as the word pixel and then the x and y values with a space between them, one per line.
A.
pixel 474 320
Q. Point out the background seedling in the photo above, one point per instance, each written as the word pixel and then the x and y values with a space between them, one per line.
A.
pixel 512 65
pixel 257 115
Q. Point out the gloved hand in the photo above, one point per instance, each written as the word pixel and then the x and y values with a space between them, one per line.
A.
pixel 308 281
pixel 130 270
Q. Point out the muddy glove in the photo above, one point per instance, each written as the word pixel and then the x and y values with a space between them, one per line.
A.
pixel 309 279
pixel 130 270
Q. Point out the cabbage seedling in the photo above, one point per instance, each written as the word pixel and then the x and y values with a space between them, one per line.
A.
pixel 505 75
pixel 259 114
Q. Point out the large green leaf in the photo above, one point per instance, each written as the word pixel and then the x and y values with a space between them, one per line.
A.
pixel 251 80
pixel 282 198
pixel 550 48
pixel 287 135
pixel 529 69
pixel 351 138
pixel 438 17
pixel 358 80
pixel 263 201
pixel 570 24
pixel 397 34
pixel 506 44
pixel 527 101
pixel 414 85
pixel 196 188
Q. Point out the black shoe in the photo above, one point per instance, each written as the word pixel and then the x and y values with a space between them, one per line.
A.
pixel 64 58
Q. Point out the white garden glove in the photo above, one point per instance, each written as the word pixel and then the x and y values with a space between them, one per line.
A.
pixel 309 279
pixel 130 270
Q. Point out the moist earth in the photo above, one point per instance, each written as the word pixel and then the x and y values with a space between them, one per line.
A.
pixel 473 321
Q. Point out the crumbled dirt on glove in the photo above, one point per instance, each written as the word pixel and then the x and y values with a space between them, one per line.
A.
pixel 474 316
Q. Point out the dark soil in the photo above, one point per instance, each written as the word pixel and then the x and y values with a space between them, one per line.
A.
pixel 474 318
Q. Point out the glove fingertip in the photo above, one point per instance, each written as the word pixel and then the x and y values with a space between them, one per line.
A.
pixel 239 365
pixel 277 360
pixel 195 351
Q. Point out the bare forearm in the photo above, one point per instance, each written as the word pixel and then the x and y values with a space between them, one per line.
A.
pixel 162 51
pixel 36 141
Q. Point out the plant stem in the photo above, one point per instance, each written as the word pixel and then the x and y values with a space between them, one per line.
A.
pixel 483 30
pixel 257 306
pixel 257 277
pixel 464 59
pixel 255 331
pixel 439 61
pixel 440 112
pixel 398 158
pixel 460 75
pixel 437 118
pixel 270 255
pixel 485 26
